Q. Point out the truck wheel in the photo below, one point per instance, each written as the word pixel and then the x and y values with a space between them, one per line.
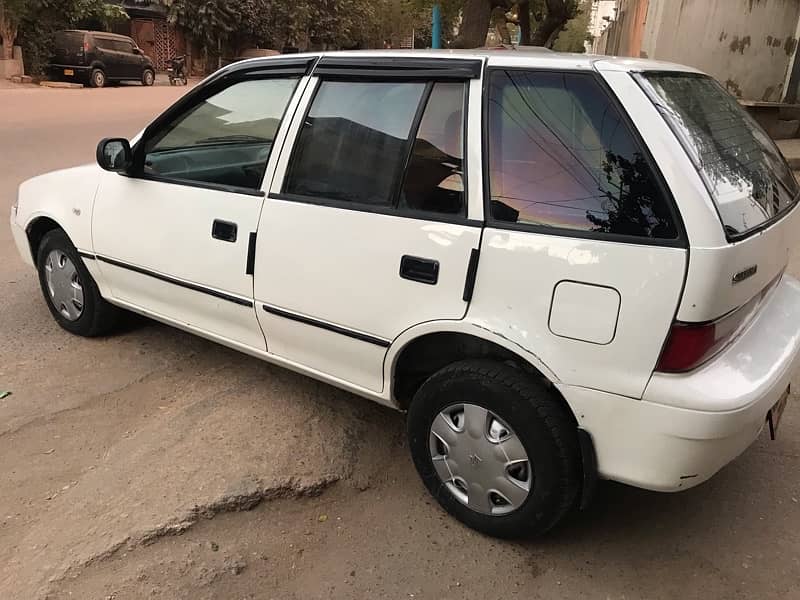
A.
pixel 69 290
pixel 148 77
pixel 495 447
pixel 98 78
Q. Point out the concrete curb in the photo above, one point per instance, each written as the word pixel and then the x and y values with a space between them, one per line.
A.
pixel 61 85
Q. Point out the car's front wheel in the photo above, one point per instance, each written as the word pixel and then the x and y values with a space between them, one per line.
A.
pixel 495 447
pixel 148 77
pixel 97 78
pixel 69 290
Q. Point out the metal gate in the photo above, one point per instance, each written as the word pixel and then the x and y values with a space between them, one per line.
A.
pixel 165 44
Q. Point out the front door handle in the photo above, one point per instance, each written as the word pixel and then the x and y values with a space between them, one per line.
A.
pixel 223 230
pixel 424 270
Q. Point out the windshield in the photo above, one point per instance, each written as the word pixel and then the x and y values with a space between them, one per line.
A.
pixel 747 177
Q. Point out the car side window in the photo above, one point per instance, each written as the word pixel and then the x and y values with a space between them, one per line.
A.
pixel 225 139
pixel 352 144
pixel 561 156
pixel 434 179
pixel 123 46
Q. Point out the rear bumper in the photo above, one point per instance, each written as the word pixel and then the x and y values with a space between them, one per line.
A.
pixel 80 73
pixel 689 426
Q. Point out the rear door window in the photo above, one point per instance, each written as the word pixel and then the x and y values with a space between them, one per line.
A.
pixel 562 159
pixel 747 177
pixel 434 179
pixel 353 141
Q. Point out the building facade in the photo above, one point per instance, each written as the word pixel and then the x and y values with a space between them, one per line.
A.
pixel 748 45
pixel 148 26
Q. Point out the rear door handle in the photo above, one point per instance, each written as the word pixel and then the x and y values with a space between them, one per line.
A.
pixel 423 270
pixel 224 230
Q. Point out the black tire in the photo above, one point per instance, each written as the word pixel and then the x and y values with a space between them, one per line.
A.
pixel 98 317
pixel 148 77
pixel 97 79
pixel 542 422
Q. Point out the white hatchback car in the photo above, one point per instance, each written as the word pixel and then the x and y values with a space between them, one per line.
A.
pixel 563 267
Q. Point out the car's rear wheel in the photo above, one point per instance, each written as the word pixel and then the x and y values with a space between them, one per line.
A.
pixel 495 447
pixel 97 78
pixel 148 77
pixel 69 290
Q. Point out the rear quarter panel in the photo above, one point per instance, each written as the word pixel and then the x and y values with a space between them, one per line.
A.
pixel 518 274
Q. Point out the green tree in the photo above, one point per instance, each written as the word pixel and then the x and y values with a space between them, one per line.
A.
pixel 576 31
pixel 540 21
pixel 32 23
pixel 12 12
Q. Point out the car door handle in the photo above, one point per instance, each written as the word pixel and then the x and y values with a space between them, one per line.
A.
pixel 424 270
pixel 223 230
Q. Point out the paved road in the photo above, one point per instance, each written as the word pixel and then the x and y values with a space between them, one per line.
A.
pixel 115 454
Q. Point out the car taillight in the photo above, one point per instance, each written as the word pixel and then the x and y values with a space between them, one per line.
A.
pixel 689 345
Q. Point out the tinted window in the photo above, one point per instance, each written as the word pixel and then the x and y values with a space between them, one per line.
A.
pixel 104 43
pixel 561 156
pixel 225 139
pixel 434 180
pixel 353 143
pixel 123 46
pixel 744 171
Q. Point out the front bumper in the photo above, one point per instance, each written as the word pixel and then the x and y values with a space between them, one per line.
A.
pixel 689 426
pixel 21 241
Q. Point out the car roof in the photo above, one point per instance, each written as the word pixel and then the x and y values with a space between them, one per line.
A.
pixel 99 33
pixel 522 56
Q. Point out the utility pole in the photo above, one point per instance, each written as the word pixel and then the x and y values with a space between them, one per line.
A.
pixel 436 27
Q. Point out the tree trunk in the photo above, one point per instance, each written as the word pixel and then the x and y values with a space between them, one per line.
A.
pixel 474 24
pixel 9 35
pixel 524 11
pixel 558 13
pixel 8 30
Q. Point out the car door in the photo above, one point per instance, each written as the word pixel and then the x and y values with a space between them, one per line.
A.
pixel 365 231
pixel 174 239
pixel 130 63
pixel 108 54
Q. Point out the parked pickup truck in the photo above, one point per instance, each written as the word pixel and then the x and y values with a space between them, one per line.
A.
pixel 561 267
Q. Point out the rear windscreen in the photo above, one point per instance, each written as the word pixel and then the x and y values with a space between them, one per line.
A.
pixel 70 41
pixel 747 177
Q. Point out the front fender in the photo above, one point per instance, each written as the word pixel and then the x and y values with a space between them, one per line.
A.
pixel 66 197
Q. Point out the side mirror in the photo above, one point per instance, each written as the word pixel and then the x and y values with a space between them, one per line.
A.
pixel 137 50
pixel 114 154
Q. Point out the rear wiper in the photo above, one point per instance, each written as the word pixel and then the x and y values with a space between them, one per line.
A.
pixel 235 138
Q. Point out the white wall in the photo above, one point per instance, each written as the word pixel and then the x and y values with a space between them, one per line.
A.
pixel 747 45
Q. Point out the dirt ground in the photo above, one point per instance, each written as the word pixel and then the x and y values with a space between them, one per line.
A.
pixel 154 464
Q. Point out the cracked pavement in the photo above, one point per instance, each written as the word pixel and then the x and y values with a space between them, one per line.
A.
pixel 157 464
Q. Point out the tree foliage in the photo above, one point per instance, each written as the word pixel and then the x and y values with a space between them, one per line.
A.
pixel 277 24
pixel 32 23
pixel 540 21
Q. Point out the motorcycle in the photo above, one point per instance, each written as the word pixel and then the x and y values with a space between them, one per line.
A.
pixel 177 71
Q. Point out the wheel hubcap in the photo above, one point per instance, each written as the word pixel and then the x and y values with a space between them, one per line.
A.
pixel 480 459
pixel 64 285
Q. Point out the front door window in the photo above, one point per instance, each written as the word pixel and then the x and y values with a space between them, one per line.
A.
pixel 224 140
